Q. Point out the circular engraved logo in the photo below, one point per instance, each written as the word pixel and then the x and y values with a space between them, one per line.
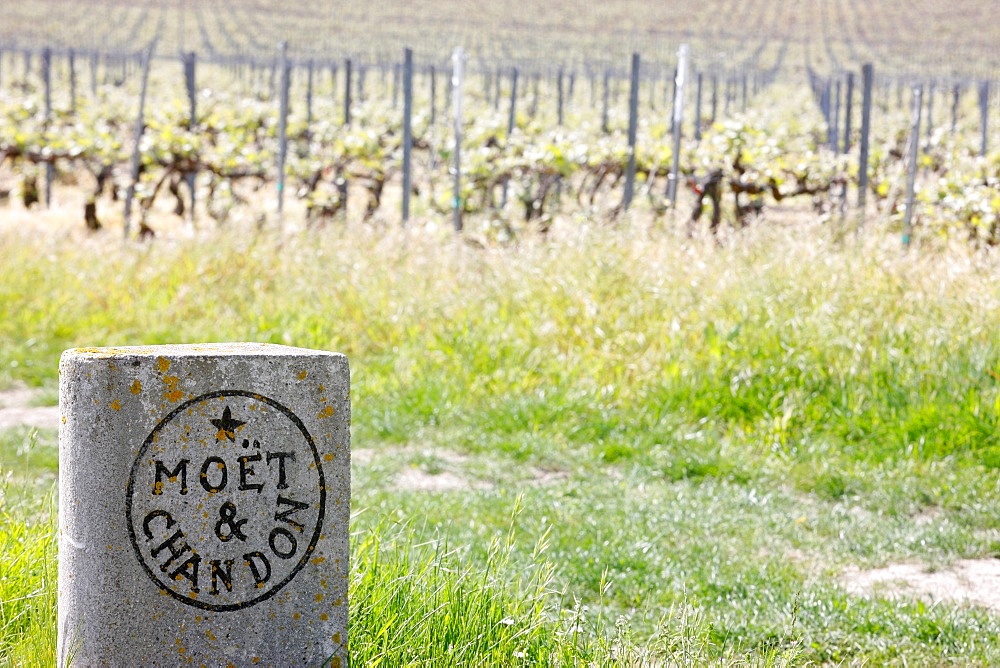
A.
pixel 225 500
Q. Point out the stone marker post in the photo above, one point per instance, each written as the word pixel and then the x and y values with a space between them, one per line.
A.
pixel 204 496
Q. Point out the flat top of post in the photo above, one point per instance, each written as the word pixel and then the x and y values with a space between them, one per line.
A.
pixel 196 350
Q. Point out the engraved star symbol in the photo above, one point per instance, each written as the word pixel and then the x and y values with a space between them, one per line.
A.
pixel 227 426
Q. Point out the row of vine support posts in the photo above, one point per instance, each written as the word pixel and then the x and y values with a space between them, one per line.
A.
pixel 829 96
pixel 459 58
pixel 284 66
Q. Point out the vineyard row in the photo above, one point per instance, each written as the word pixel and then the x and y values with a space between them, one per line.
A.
pixel 504 150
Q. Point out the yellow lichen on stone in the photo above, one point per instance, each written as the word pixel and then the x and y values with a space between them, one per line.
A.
pixel 162 363
pixel 326 412
pixel 136 387
pixel 116 405
pixel 172 394
pixel 303 374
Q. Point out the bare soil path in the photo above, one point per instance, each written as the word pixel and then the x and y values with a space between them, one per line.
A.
pixel 17 408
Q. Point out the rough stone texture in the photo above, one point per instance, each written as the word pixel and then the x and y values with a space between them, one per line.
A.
pixel 204 506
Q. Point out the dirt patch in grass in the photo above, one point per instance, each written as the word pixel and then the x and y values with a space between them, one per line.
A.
pixel 430 469
pixel 547 477
pixel 414 479
pixel 363 456
pixel 16 409
pixel 971 581
pixel 426 470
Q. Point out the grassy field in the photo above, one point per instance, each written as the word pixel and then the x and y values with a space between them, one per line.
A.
pixel 620 447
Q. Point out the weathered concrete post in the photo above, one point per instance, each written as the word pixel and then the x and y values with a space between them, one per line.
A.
pixel 204 506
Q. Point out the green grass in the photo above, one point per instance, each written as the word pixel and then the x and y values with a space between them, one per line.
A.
pixel 672 449
pixel 27 548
